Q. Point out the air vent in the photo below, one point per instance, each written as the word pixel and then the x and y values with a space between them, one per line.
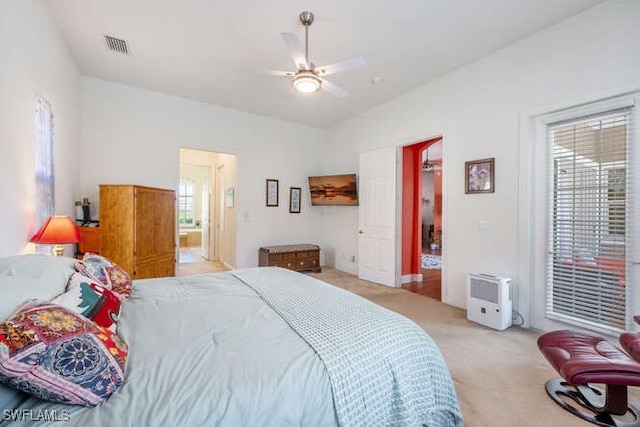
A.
pixel 117 45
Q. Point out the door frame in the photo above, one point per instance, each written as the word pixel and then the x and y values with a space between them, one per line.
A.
pixel 205 241
pixel 219 213
pixel 530 292
pixel 411 209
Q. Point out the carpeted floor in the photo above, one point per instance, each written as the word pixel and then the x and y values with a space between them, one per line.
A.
pixel 499 376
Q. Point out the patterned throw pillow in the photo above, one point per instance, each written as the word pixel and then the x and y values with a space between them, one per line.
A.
pixel 106 272
pixel 89 298
pixel 119 280
pixel 92 265
pixel 55 354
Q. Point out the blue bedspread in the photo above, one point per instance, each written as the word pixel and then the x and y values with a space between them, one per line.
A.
pixel 384 369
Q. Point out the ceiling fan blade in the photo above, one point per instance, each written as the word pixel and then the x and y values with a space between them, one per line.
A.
pixel 278 73
pixel 295 49
pixel 336 67
pixel 333 89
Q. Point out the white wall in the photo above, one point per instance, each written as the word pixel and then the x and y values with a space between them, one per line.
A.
pixel 226 217
pixel 133 136
pixel 34 61
pixel 477 109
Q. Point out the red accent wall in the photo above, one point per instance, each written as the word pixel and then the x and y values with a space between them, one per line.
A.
pixel 410 211
pixel 411 205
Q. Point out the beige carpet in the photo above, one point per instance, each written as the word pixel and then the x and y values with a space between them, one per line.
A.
pixel 499 376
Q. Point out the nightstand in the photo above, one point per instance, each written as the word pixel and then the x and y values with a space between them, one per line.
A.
pixel 90 241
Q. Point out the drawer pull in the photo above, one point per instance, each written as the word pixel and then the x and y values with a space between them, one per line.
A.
pixel 288 264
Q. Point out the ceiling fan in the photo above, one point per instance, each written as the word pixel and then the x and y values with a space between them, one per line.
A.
pixel 429 165
pixel 308 77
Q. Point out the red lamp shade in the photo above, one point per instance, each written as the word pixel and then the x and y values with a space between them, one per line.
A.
pixel 57 230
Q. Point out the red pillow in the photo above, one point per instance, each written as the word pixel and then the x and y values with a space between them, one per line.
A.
pixel 92 300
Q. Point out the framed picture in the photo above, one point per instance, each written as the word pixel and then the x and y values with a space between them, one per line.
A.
pixel 333 190
pixel 479 176
pixel 294 199
pixel 272 192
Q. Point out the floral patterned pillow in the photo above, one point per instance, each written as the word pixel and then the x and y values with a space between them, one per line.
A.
pixel 106 272
pixel 55 354
pixel 119 280
pixel 92 300
pixel 91 266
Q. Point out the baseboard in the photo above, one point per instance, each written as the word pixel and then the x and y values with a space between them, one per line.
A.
pixel 408 278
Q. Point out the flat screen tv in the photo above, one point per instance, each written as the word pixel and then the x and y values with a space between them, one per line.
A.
pixel 333 190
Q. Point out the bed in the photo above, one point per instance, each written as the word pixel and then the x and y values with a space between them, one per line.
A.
pixel 257 346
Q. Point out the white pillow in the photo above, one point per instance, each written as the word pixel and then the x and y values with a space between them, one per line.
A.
pixel 25 277
pixel 54 269
pixel 17 290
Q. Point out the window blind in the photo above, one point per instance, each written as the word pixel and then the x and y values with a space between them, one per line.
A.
pixel 591 185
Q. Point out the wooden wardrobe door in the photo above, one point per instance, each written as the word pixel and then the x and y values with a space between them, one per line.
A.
pixel 145 199
pixel 117 225
pixel 165 219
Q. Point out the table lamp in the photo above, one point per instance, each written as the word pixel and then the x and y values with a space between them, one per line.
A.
pixel 57 230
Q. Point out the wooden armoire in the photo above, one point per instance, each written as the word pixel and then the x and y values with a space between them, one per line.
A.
pixel 137 229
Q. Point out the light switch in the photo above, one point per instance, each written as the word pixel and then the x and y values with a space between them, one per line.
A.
pixel 483 225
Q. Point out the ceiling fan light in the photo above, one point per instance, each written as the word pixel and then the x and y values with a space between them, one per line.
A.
pixel 306 83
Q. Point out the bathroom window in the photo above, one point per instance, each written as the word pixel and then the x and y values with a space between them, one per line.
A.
pixel 185 203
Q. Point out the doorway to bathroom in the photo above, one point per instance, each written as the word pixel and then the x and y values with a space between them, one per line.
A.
pixel 206 210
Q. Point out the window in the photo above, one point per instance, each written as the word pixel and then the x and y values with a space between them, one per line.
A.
pixel 616 197
pixel 185 203
pixel 589 230
pixel 45 184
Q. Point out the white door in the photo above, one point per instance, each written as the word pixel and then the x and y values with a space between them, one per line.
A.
pixel 206 217
pixel 377 258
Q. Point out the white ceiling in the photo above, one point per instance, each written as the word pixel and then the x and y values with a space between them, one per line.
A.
pixel 214 51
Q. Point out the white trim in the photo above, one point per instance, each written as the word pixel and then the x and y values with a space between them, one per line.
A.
pixel 398 213
pixel 525 215
pixel 596 107
pixel 408 278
